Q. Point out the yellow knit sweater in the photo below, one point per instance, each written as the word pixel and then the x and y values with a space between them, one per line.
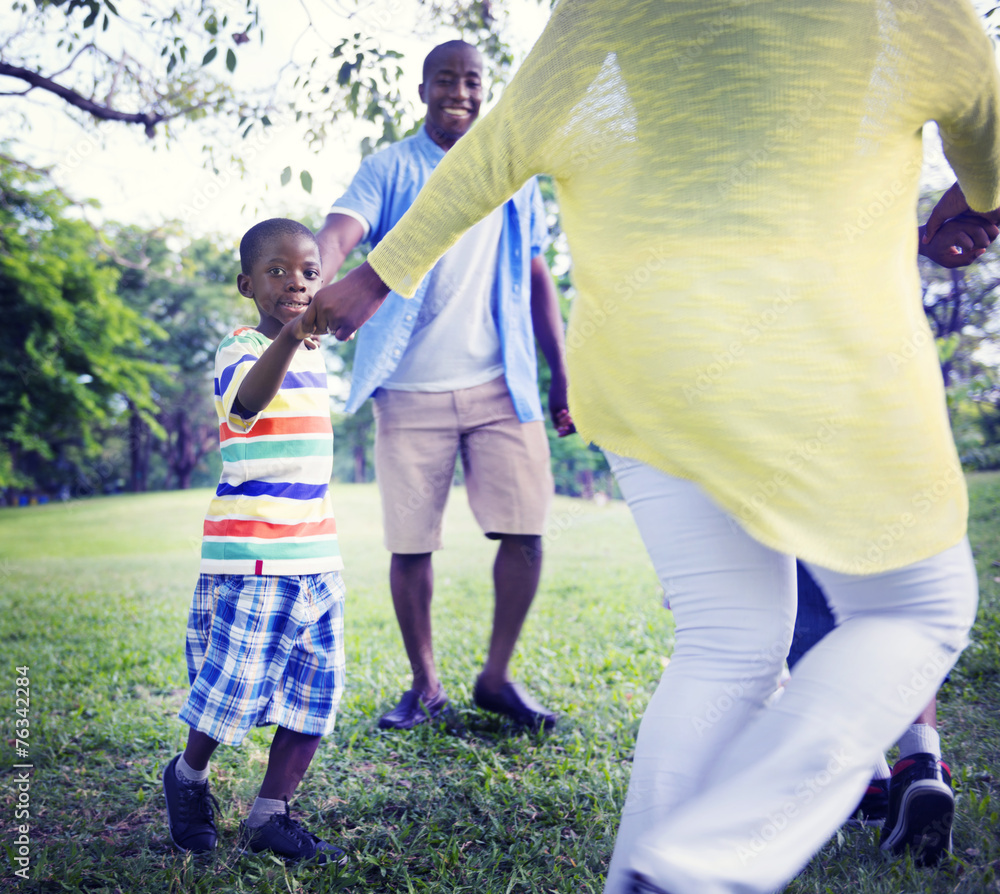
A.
pixel 738 182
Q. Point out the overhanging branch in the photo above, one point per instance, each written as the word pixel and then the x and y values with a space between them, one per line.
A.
pixel 148 120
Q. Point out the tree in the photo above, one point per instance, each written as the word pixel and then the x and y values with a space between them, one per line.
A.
pixel 160 66
pixel 67 364
pixel 191 296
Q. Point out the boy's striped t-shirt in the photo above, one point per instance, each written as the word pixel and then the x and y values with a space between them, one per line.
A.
pixel 272 512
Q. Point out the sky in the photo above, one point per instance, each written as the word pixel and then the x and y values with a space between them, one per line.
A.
pixel 145 182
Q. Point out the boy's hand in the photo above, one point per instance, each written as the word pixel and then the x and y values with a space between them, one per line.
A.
pixel 303 327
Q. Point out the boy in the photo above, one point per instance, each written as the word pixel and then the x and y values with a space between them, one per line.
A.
pixel 265 632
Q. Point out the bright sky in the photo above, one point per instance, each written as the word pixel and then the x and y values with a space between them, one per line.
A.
pixel 146 182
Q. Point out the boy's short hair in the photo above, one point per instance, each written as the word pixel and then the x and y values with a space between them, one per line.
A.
pixel 253 241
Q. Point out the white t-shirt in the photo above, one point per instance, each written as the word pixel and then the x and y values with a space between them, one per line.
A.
pixel 455 343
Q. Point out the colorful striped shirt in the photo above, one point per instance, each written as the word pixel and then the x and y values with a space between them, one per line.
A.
pixel 272 512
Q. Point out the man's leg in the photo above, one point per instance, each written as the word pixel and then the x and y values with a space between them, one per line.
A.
pixel 509 484
pixel 411 580
pixel 516 573
pixel 416 442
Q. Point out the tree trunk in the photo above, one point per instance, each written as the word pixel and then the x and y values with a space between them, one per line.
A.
pixel 138 452
pixel 360 464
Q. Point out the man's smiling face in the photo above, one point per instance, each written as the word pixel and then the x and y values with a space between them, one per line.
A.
pixel 453 92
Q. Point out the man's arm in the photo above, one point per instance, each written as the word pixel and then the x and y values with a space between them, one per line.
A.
pixel 547 322
pixel 337 238
pixel 950 205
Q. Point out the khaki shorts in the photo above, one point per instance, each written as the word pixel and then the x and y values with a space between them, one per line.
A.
pixel 417 438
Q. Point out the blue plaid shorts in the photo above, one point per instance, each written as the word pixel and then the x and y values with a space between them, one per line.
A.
pixel 262 650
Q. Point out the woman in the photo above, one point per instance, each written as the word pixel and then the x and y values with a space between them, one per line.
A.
pixel 738 184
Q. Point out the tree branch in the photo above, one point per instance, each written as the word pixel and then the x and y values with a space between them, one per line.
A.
pixel 148 120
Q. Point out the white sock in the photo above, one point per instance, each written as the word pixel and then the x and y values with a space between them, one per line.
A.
pixel 263 809
pixel 920 737
pixel 186 771
pixel 881 770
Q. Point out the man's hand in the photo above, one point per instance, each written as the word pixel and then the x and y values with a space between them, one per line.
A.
pixel 558 407
pixel 564 424
pixel 960 240
pixel 344 306
pixel 950 205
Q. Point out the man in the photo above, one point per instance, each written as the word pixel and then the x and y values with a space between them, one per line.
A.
pixel 453 371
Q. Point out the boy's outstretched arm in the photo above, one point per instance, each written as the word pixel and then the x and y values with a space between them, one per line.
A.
pixel 262 381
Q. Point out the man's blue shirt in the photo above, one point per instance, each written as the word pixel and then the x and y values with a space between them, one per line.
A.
pixel 385 186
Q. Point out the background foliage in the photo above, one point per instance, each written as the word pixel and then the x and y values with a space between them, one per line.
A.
pixel 106 359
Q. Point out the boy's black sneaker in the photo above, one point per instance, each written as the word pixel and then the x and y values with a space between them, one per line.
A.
pixel 190 811
pixel 873 808
pixel 921 809
pixel 639 884
pixel 285 837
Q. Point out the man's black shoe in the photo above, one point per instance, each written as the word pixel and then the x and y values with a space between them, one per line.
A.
pixel 190 811
pixel 288 839
pixel 513 702
pixel 413 708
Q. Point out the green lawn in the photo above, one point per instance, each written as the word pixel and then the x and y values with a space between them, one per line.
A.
pixel 94 598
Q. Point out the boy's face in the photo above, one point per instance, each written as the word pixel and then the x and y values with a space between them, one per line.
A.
pixel 283 281
pixel 453 92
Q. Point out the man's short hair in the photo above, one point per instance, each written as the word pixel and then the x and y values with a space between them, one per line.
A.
pixel 255 239
pixel 441 48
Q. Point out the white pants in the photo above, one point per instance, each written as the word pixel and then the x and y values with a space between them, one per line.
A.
pixel 727 795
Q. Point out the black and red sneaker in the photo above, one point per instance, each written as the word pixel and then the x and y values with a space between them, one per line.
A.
pixel 873 807
pixel 639 884
pixel 921 809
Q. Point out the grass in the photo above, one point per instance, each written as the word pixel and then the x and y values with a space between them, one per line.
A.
pixel 94 600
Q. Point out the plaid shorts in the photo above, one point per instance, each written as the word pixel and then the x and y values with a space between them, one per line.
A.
pixel 263 650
